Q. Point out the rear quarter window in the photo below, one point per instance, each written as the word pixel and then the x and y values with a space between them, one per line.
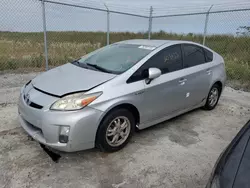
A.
pixel 208 55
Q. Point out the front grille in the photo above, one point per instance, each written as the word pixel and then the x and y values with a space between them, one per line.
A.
pixel 32 104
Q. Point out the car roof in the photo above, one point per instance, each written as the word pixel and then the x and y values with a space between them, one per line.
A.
pixel 158 43
pixel 155 43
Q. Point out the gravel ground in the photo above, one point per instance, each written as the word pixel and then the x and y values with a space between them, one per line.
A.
pixel 177 153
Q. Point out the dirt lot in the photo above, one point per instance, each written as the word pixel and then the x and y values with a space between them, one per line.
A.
pixel 177 153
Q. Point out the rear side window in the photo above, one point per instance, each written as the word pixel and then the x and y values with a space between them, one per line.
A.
pixel 193 55
pixel 208 55
pixel 167 60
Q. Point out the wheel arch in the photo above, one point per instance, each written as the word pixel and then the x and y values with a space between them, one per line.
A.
pixel 130 107
pixel 219 83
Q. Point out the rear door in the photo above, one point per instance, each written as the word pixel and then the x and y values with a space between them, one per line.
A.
pixel 197 73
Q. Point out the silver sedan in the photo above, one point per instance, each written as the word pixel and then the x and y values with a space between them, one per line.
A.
pixel 100 99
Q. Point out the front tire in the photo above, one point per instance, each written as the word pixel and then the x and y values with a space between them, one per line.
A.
pixel 115 130
pixel 213 97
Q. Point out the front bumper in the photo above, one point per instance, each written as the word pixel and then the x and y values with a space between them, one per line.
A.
pixel 44 125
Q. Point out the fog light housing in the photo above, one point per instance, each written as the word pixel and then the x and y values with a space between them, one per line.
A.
pixel 64 134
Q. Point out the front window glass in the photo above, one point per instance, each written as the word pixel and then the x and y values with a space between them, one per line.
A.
pixel 167 60
pixel 116 58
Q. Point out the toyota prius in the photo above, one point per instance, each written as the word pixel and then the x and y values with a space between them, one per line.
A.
pixel 100 99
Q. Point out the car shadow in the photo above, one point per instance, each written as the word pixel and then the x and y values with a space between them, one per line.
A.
pixel 179 130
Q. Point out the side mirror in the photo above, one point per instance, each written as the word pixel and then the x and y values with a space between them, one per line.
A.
pixel 152 74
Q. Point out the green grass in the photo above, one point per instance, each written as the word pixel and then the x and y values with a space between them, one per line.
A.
pixel 25 50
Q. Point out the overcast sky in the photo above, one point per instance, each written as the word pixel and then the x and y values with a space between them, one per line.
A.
pixel 26 15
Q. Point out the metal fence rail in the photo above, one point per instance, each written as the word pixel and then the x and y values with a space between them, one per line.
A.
pixel 71 30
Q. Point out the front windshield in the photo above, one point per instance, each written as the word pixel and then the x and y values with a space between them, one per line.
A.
pixel 116 58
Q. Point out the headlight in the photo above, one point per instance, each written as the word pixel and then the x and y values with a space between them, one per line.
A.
pixel 75 101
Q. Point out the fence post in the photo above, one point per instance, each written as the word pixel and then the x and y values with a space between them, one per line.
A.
pixel 45 37
pixel 108 13
pixel 150 22
pixel 206 22
pixel 108 27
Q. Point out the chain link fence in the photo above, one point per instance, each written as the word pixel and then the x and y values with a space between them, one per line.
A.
pixel 21 46
pixel 234 45
pixel 41 34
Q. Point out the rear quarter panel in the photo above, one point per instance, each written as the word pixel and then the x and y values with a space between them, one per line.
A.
pixel 218 70
pixel 217 66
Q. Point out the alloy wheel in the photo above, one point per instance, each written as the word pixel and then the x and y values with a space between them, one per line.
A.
pixel 118 131
pixel 213 96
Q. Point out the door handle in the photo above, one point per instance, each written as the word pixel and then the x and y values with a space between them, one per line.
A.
pixel 182 81
pixel 209 71
pixel 139 92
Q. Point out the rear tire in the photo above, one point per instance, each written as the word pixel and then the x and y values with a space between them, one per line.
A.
pixel 213 97
pixel 115 130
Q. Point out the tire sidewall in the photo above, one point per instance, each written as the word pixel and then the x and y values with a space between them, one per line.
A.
pixel 101 141
pixel 207 105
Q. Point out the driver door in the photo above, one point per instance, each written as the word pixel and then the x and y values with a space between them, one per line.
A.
pixel 163 95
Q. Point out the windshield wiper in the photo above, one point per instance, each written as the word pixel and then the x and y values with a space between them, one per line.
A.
pixel 98 68
pixel 77 63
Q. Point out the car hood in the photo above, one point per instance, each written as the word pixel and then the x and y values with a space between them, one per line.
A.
pixel 69 78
